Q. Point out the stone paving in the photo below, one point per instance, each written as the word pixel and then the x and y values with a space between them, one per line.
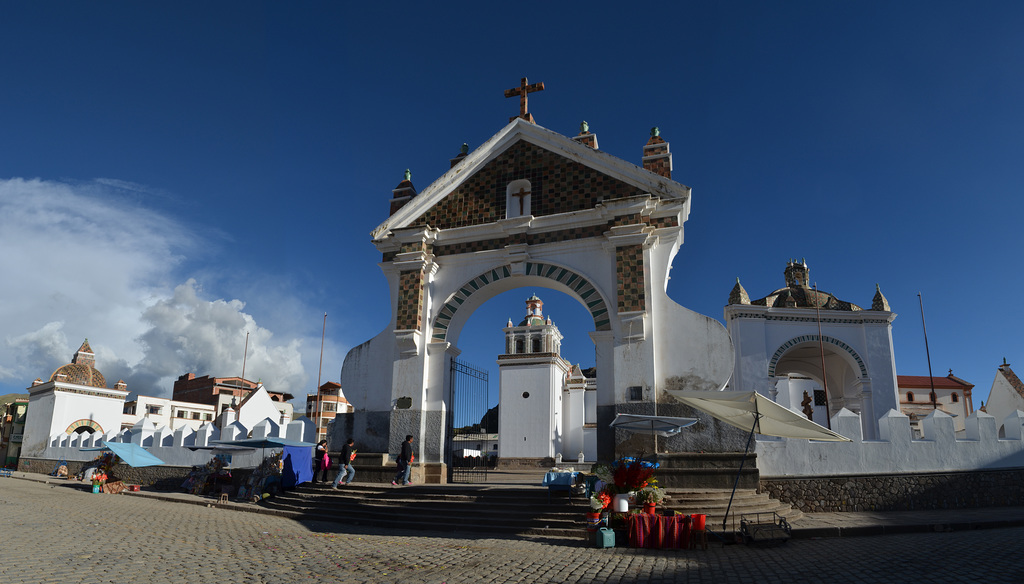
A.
pixel 61 533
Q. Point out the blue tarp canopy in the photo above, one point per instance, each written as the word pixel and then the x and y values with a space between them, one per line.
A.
pixel 131 454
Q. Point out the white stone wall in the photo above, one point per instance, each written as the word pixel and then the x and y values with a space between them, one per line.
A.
pixel 176 450
pixel 896 451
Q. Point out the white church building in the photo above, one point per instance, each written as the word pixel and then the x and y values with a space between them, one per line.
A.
pixel 548 407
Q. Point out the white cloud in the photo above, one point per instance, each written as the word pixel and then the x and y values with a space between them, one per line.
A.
pixel 88 260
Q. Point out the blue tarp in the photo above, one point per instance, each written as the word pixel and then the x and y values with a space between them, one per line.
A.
pixel 298 466
pixel 131 454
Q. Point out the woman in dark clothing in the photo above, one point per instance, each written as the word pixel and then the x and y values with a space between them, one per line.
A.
pixel 322 463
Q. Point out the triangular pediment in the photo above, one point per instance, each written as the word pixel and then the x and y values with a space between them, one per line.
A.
pixel 566 175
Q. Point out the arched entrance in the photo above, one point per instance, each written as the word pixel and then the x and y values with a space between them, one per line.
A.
pixel 530 208
pixel 820 375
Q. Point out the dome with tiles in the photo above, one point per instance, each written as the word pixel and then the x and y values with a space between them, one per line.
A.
pixel 796 294
pixel 81 369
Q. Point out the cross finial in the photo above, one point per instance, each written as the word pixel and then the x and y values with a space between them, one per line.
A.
pixel 524 88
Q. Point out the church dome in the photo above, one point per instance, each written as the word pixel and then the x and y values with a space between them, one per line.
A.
pixel 796 294
pixel 81 370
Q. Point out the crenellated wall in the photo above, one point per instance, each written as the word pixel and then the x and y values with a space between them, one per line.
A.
pixel 182 447
pixel 896 451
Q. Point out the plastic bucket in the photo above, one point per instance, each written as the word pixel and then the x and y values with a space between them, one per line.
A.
pixel 95 488
pixel 698 522
pixel 593 521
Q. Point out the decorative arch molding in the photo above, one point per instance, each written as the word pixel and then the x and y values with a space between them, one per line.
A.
pixel 83 423
pixel 814 338
pixel 576 283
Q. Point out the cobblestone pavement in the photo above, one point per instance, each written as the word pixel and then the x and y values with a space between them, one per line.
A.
pixel 63 534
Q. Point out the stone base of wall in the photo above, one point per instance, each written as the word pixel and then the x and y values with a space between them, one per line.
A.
pixel 900 492
pixel 161 478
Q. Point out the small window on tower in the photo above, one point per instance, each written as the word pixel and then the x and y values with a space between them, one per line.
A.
pixel 910 396
pixel 635 393
pixel 954 397
pixel 536 346
pixel 519 347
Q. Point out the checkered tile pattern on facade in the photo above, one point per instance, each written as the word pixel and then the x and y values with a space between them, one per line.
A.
pixel 558 185
pixel 578 284
pixel 410 300
pixel 629 273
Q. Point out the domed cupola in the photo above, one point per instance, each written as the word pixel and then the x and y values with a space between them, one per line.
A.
pixel 798 293
pixel 81 369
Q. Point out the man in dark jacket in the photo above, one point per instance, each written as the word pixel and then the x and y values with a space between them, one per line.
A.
pixel 347 472
pixel 404 463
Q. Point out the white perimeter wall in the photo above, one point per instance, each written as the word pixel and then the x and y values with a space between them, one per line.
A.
pixel 896 451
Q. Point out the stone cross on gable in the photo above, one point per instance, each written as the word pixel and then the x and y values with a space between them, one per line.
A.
pixel 522 194
pixel 524 88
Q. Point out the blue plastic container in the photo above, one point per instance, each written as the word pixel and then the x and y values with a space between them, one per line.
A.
pixel 605 537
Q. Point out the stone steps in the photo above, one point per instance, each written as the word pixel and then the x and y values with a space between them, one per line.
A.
pixel 504 510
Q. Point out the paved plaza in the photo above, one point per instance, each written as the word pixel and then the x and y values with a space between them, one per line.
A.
pixel 60 533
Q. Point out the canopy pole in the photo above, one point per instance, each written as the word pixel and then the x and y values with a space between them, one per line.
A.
pixel 757 417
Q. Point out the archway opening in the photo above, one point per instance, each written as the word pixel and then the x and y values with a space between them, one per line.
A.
pixel 529 366
pixel 803 385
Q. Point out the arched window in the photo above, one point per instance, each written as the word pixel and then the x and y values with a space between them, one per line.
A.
pixel 910 396
pixel 954 397
pixel 536 346
pixel 519 346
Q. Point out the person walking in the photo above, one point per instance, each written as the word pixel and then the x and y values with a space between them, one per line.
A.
pixel 405 458
pixel 322 463
pixel 347 472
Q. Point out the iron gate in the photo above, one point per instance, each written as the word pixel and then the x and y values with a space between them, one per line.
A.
pixel 472 427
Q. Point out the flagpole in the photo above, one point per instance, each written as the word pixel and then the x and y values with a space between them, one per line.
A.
pixel 927 353
pixel 245 353
pixel 821 349
pixel 319 414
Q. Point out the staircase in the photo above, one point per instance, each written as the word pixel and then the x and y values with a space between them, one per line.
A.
pixel 500 510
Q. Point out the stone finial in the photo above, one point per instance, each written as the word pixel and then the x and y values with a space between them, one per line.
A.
pixel 657 157
pixel 738 295
pixel 879 302
pixel 403 193
pixel 463 151
pixel 585 137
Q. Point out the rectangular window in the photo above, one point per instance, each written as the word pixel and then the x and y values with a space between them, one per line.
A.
pixel 635 393
pixel 155 410
pixel 819 397
pixel 195 415
pixel 182 413
pixel 207 417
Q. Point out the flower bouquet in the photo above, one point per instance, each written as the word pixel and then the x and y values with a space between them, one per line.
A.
pixel 649 495
pixel 629 474
pixel 600 501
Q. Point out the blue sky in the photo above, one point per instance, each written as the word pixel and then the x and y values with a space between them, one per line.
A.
pixel 173 176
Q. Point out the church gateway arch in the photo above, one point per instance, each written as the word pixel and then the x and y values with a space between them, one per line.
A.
pixel 531 207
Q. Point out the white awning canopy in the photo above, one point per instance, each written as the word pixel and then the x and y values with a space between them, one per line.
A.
pixel 749 409
pixel 658 425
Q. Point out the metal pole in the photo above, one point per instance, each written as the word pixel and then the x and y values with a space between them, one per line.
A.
pixel 821 349
pixel 319 414
pixel 245 353
pixel 757 418
pixel 927 353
